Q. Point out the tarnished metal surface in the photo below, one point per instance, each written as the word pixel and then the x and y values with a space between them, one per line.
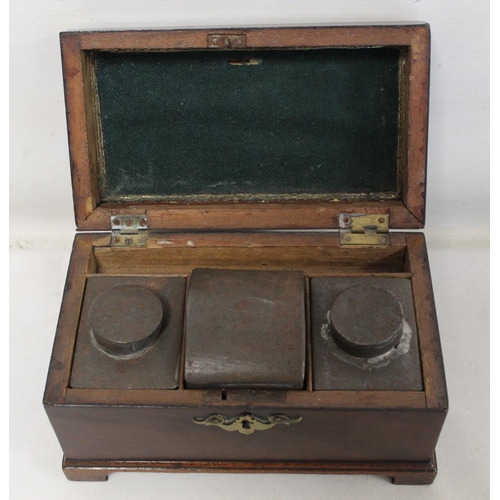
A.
pixel 364 229
pixel 129 230
pixel 367 321
pixel 129 224
pixel 371 238
pixel 245 329
pixel 119 239
pixel 130 333
pixel 126 320
pixel 389 368
pixel 227 41
pixel 358 223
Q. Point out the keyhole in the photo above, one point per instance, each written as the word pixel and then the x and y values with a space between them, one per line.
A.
pixel 246 424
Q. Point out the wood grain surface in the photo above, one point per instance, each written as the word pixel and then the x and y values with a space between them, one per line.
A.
pixel 92 215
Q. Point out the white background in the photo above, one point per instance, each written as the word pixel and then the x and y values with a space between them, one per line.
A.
pixel 42 229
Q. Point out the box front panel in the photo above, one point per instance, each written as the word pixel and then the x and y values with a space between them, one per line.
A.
pixel 135 433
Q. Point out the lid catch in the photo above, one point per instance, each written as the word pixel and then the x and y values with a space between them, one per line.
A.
pixel 364 229
pixel 226 41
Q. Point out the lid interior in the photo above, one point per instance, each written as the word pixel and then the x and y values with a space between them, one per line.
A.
pixel 249 125
pixel 195 133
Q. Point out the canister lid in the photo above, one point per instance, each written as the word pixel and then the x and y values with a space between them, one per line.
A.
pixel 367 320
pixel 126 320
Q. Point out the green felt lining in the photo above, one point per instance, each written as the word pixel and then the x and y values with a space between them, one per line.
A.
pixel 268 124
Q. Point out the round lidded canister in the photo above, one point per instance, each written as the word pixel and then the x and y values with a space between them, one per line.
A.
pixel 126 320
pixel 367 321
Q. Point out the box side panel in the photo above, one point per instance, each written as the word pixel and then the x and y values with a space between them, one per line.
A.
pixel 430 344
pixel 81 262
pixel 161 433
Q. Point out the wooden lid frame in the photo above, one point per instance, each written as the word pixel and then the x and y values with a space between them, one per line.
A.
pixel 92 215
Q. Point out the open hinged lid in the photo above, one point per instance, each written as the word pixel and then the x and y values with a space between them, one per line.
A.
pixel 262 128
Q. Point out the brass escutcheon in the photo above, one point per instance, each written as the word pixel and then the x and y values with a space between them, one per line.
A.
pixel 246 423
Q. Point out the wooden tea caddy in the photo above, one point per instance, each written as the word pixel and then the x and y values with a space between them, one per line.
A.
pixel 391 433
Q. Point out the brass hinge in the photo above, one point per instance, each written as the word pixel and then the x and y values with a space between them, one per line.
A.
pixel 129 230
pixel 364 229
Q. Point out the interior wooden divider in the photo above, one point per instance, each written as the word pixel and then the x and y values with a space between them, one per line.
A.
pixel 312 260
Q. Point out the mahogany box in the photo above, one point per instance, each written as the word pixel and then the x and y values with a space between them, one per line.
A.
pixel 245 291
